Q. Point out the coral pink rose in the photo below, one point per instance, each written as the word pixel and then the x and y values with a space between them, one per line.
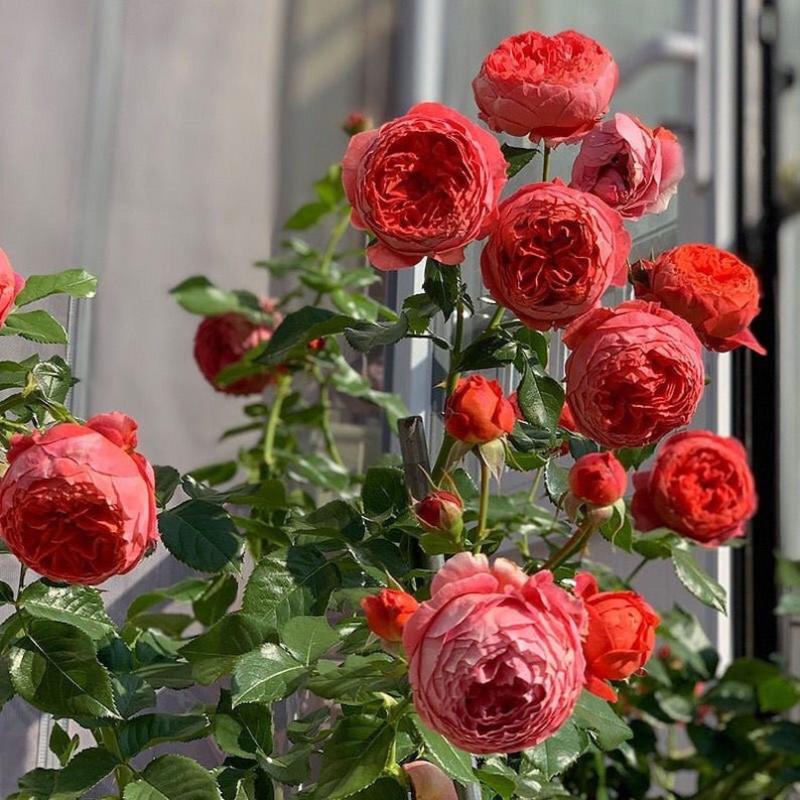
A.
pixel 634 374
pixel 477 411
pixel 223 340
pixel 77 503
pixel 621 635
pixel 11 285
pixel 426 184
pixel 710 288
pixel 546 87
pixel 553 254
pixel 495 658
pixel 598 478
pixel 634 169
pixel 429 782
pixel 700 485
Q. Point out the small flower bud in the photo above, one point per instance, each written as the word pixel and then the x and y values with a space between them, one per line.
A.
pixel 441 512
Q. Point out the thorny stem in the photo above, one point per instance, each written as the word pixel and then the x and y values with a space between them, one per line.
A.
pixel 282 388
pixel 573 545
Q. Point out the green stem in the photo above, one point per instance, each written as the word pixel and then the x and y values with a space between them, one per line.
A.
pixel 600 766
pixel 448 443
pixel 23 571
pixel 535 486
pixel 573 545
pixel 282 388
pixel 327 430
pixel 496 319
pixel 546 164
pixel 483 508
pixel 339 230
pixel 635 571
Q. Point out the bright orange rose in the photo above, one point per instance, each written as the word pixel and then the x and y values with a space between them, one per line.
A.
pixel 621 635
pixel 477 411
pixel 387 613
pixel 710 288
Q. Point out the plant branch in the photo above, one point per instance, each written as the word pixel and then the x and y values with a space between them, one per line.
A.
pixel 339 230
pixel 546 164
pixel 483 508
pixel 573 545
pixel 282 388
pixel 327 430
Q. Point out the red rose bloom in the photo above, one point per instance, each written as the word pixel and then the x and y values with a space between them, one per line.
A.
pixel 632 168
pixel 477 412
pixel 598 478
pixel 11 285
pixel 553 254
pixel 440 512
pixel 635 373
pixel 621 635
pixel 387 613
pixel 223 340
pixel 425 184
pixel 700 485
pixel 546 87
pixel 710 288
pixel 77 503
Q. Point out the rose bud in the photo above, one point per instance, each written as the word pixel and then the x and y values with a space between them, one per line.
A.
pixel 357 122
pixel 425 184
pixel 620 638
pixel 316 345
pixel 598 478
pixel 388 612
pixel 632 168
pixel 440 512
pixel 546 87
pixel 527 267
pixel 495 657
pixel 77 503
pixel 700 485
pixel 634 374
pixel 477 411
pixel 223 340
pixel 11 285
pixel 429 782
pixel 715 292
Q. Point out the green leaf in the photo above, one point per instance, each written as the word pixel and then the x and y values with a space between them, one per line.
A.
pixel 218 597
pixel 443 285
pixel 148 730
pixel 367 336
pixel 185 591
pixel 6 593
pixel 596 716
pixel 556 480
pixel 61 745
pixel 216 651
pixel 173 777
pixel 540 398
pixel 54 668
pixel 198 295
pixel 79 606
pixel 559 751
pixel 301 327
pixel 265 675
pixel 517 157
pixel 36 326
pixel 634 457
pixel 384 492
pixel 354 756
pixel 307 216
pixel 202 535
pixel 243 731
pixel 84 771
pixel 456 763
pixel 347 381
pixel 697 581
pixel 336 519
pixel 488 351
pixel 307 638
pixel 53 378
pixel 74 282
pixel 168 479
pixel 356 680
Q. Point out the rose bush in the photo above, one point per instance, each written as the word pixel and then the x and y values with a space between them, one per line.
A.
pixel 343 616
pixel 553 254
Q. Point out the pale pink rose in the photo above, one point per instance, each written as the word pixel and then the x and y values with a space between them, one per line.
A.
pixel 495 656
pixel 429 782
pixel 634 169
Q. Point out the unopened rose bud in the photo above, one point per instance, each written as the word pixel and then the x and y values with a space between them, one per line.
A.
pixel 441 512
pixel 357 122
pixel 387 613
pixel 598 479
pixel 317 344
pixel 429 782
